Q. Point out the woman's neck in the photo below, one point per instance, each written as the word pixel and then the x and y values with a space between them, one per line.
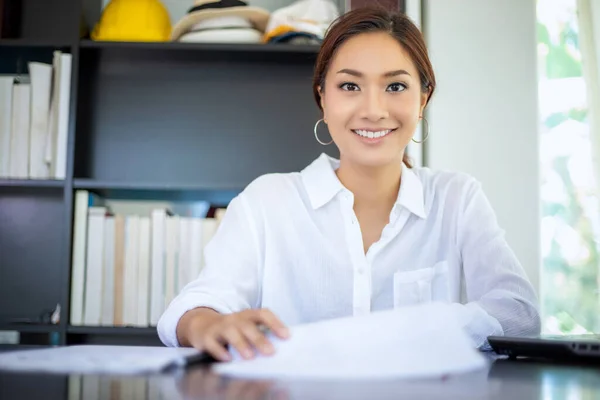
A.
pixel 374 188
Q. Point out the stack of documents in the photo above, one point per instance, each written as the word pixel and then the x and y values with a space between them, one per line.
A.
pixel 86 359
pixel 412 342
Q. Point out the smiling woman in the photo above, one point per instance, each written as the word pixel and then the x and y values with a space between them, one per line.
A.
pixel 364 233
pixel 358 68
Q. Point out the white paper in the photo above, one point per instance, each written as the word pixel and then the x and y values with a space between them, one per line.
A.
pixel 412 342
pixel 95 359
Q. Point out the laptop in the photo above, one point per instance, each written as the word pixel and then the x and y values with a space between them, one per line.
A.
pixel 582 347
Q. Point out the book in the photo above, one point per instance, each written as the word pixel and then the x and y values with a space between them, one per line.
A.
pixel 92 313
pixel 6 95
pixel 19 136
pixel 41 84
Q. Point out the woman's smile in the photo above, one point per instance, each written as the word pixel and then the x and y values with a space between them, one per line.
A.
pixel 372 136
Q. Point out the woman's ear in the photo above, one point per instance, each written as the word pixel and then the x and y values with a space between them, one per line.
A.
pixel 322 102
pixel 321 97
pixel 424 98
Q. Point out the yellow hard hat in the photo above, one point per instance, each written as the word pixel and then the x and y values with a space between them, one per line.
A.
pixel 133 20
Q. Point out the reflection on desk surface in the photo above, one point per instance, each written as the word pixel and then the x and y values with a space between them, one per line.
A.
pixel 503 379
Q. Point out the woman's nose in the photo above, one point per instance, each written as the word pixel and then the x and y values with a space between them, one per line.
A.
pixel 374 106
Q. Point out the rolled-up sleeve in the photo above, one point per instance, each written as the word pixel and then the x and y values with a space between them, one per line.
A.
pixel 501 299
pixel 229 281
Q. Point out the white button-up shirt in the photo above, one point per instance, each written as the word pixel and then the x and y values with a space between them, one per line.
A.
pixel 291 243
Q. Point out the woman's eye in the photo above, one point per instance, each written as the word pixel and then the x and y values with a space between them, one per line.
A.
pixel 351 87
pixel 396 87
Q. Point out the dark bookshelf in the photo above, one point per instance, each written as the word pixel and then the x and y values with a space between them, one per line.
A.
pixel 157 191
pixel 143 186
pixel 136 336
pixel 163 121
pixel 7 42
pixel 33 334
pixel 111 330
pixel 31 183
pixel 204 47
pixel 30 328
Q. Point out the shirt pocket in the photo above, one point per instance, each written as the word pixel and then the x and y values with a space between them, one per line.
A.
pixel 422 285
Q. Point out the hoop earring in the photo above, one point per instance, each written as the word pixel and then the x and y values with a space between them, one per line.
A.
pixel 426 132
pixel 317 135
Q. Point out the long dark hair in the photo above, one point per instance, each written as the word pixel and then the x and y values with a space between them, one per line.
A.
pixel 375 19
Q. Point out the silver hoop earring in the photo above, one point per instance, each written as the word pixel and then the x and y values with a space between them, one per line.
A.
pixel 426 132
pixel 317 135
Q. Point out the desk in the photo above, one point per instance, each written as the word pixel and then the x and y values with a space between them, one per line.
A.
pixel 502 379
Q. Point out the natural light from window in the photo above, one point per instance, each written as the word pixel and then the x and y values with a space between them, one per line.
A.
pixel 570 219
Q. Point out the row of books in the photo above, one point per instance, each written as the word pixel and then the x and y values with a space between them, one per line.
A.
pixel 34 119
pixel 127 268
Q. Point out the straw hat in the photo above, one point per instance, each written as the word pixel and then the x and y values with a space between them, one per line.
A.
pixel 206 9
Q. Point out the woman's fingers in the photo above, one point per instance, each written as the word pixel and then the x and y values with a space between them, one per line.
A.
pixel 215 348
pixel 243 331
pixel 272 322
pixel 257 338
pixel 235 338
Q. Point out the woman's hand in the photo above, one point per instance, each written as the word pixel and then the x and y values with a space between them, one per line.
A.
pixel 243 330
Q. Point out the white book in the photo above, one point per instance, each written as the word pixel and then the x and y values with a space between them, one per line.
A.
pixel 143 301
pixel 90 387
pixel 172 247
pixel 184 254
pixel 52 135
pixel 126 389
pixel 130 284
pixel 83 200
pixel 108 273
pixel 6 93
pixel 74 389
pixel 157 272
pixel 94 263
pixel 78 256
pixel 209 227
pixel 41 80
pixel 196 247
pixel 63 116
pixel 19 138
pixel 139 388
pixel 105 389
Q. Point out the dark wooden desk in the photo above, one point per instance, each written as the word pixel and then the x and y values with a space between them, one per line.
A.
pixel 502 379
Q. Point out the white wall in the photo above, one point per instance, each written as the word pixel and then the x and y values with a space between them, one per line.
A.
pixel 483 118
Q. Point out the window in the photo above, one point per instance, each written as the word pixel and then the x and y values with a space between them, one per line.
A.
pixel 570 211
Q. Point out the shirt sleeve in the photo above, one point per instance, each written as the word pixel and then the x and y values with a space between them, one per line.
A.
pixel 501 300
pixel 229 281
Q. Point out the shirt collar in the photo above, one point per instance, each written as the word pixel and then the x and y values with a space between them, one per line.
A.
pixel 322 185
pixel 320 180
pixel 410 194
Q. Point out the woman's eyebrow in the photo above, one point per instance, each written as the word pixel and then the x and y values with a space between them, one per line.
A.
pixel 359 74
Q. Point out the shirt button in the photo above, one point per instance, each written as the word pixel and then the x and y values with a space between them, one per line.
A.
pixel 361 271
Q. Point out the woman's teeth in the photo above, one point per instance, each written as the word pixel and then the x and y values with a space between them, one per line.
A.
pixel 371 135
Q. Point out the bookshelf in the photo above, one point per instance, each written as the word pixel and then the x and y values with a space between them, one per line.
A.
pixel 31 183
pixel 146 121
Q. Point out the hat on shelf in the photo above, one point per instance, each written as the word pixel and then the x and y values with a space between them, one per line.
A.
pixel 221 21
pixel 133 20
pixel 301 22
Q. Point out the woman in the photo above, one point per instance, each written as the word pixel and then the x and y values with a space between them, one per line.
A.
pixel 358 235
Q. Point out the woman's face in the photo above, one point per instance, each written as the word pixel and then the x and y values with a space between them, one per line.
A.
pixel 372 99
